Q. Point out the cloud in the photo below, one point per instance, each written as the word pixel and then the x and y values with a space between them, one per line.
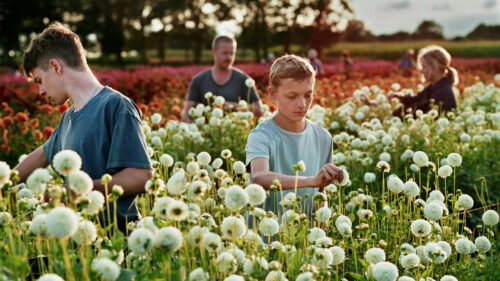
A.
pixel 401 5
pixel 444 6
pixel 488 4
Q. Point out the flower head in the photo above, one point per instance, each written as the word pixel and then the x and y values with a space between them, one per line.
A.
pixel 249 82
pixel 445 171
pixel 410 261
pixel 67 161
pixel 375 255
pixel 269 227
pixel 37 180
pixel 411 189
pixel 421 228
pixel 395 184
pixel 256 194
pixel 454 159
pixel 86 233
pixel 482 244
pixel 80 182
pixel 490 217
pixel 236 198
pixel 107 268
pixel 433 211
pixel 233 227
pixel 169 238
pixel 465 201
pixel 176 184
pixel 239 167
pixel 62 222
pixel 4 173
pixel 420 158
pixel 141 241
pixel 385 271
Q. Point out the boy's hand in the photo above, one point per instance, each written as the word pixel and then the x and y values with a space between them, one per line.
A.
pixel 394 95
pixel 327 174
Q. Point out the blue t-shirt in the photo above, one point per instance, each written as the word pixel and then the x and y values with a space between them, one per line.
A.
pixel 107 134
pixel 284 149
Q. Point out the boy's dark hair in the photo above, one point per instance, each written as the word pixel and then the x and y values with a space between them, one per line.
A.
pixel 222 39
pixel 56 41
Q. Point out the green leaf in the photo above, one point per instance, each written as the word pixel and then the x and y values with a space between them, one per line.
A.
pixel 126 275
pixel 357 276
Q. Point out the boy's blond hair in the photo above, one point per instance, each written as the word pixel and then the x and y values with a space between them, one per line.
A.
pixel 290 66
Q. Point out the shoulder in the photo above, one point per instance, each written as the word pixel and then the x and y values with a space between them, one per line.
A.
pixel 201 76
pixel 263 131
pixel 319 131
pixel 239 74
pixel 118 103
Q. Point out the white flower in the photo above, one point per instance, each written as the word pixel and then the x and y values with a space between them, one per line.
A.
pixel 385 271
pixel 169 238
pixel 62 222
pixel 315 233
pixel 420 158
pixel 369 177
pixel 445 171
pixel 234 277
pixel 306 276
pixel 96 203
pixel 50 277
pixel 239 167
pixel 343 219
pixel 465 138
pixel 276 275
pixel 177 183
pixel 192 168
pixel 323 214
pixel 331 189
pixel 364 213
pixel 226 153
pixel 236 198
pixel 410 261
pixel 217 163
pixel 374 255
pixel 463 246
pixel 198 275
pixel 490 217
pixel 37 180
pixel 4 173
pixel 250 82
pixel 197 189
pixel 226 263
pixel 156 118
pixel 141 241
pixel 177 210
pixel 80 182
pixel 86 233
pixel 219 101
pixel 148 222
pixel 395 184
pixel 233 227
pixel 344 229
pixel 107 268
pixel 256 194
pixel 156 141
pixel 411 189
pixel 421 228
pixel 385 156
pixel 405 278
pixel 67 161
pixel 345 180
pixel 448 278
pixel 407 249
pixel 465 201
pixel 338 255
pixel 301 166
pixel 211 241
pixel 435 253
pixel 39 225
pixel 435 195
pixel 482 243
pixel 166 160
pixel 433 211
pixel 414 168
pixel 242 104
pixel 269 227
pixel 5 218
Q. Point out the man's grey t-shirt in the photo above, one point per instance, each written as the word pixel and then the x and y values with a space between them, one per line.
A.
pixel 107 134
pixel 284 149
pixel 233 90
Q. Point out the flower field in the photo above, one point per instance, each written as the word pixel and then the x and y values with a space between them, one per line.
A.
pixel 419 200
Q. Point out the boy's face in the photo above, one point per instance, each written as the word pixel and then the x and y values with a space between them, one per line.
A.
pixel 49 83
pixel 224 55
pixel 294 98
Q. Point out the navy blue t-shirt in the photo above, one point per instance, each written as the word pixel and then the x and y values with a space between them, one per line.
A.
pixel 107 134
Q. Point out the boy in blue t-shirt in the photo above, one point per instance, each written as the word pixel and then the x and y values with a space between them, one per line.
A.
pixel 102 126
pixel 278 143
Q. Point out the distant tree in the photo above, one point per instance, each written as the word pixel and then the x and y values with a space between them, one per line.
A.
pixel 356 32
pixel 428 29
pixel 397 36
pixel 485 32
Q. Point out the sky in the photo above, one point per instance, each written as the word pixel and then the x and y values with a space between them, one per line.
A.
pixel 458 17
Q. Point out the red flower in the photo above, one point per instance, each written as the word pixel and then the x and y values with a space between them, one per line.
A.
pixel 47 132
pixel 7 121
pixel 46 108
pixel 34 123
pixel 63 107
pixel 21 117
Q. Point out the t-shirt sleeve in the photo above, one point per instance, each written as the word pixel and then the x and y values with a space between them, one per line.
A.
pixel 49 145
pixel 329 158
pixel 194 93
pixel 253 95
pixel 128 145
pixel 257 146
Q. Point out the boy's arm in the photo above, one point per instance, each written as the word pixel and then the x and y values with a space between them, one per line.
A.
pixel 261 175
pixel 185 111
pixel 34 160
pixel 256 109
pixel 132 180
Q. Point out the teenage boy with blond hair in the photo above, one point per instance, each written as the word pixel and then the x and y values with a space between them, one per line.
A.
pixel 277 144
pixel 102 126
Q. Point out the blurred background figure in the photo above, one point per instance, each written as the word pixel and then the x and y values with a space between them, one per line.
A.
pixel 312 55
pixel 345 57
pixel 407 63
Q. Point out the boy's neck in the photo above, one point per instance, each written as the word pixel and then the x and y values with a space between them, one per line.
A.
pixel 289 125
pixel 82 87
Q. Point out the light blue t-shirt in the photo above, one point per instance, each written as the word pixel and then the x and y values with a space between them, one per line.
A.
pixel 284 149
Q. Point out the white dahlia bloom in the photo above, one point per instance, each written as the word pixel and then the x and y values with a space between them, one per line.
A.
pixel 106 268
pixel 445 246
pixel 211 241
pixel 177 210
pixel 169 238
pixel 86 233
pixel 148 223
pixel 226 263
pixel 204 158
pixel 156 118
pixel 62 222
pixel 39 225
pixel 166 160
pixel 421 228
pixel 395 184
pixel 4 173
pixel 410 261
pixel 435 195
pixel 306 276
pixel 254 264
pixel 420 158
pixel 217 163
pixel 67 161
pixel 80 182
pixel 198 275
pixel 322 257
pixel 141 241
pixel 343 219
pixel 269 227
pixel 315 233
pixel 239 167
pixel 192 168
pixel 345 180
pixel 405 278
pixel 323 214
pixel 276 275
pixel 177 183
pixel 448 278
pixel 490 217
pixel 369 177
pixel 338 255
pixel 463 246
pixel 249 82
pixel 465 201
pixel 50 277
pixel 233 227
pixel 256 194
pixel 454 159
pixel 435 253
pixel 37 180
pixel 96 203
pixel 385 271
pixel 236 198
pixel 411 189
pixel 482 244
pixel 433 211
pixel 374 255
pixel 445 171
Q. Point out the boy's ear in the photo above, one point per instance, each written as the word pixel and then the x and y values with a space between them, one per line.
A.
pixel 56 65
